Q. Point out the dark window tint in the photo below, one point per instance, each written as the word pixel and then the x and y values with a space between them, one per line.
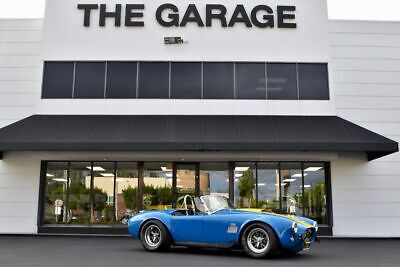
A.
pixel 58 80
pixel 154 80
pixel 186 80
pixel 282 81
pixel 218 80
pixel 121 80
pixel 89 80
pixel 250 81
pixel 313 82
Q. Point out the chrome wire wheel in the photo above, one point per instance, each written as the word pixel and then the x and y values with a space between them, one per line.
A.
pixel 258 240
pixel 152 236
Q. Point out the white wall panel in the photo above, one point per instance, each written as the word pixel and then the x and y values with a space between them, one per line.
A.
pixel 20 48
pixel 21 36
pixel 366 75
pixel 21 24
pixel 359 89
pixel 366 64
pixel 19 191
pixel 21 61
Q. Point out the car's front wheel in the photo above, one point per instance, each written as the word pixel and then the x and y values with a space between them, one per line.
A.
pixel 259 241
pixel 155 236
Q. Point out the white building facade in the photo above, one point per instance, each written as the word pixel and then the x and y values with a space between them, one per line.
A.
pixel 100 121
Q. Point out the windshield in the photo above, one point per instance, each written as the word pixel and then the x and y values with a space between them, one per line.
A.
pixel 215 203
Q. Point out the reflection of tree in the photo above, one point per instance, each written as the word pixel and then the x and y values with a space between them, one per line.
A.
pixel 159 195
pixel 246 186
pixel 55 191
pixel 314 201
pixel 129 197
pixel 79 197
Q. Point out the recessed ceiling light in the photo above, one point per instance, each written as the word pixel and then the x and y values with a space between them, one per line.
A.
pixel 298 175
pixel 107 174
pixel 307 186
pixel 261 184
pixel 60 180
pixel 282 184
pixel 96 168
pixel 241 169
pixel 238 175
pixel 289 180
pixel 165 169
pixel 49 175
pixel 313 169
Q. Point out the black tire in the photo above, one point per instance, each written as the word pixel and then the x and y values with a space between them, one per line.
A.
pixel 266 246
pixel 154 236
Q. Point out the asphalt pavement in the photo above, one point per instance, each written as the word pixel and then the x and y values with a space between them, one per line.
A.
pixel 63 251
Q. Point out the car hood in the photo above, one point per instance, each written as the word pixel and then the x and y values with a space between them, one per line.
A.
pixel 303 221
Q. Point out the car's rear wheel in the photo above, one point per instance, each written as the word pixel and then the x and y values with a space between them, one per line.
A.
pixel 259 241
pixel 155 236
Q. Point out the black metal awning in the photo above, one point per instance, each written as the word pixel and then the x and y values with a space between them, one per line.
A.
pixel 192 133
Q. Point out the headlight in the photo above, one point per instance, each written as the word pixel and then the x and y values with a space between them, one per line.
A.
pixel 315 226
pixel 295 227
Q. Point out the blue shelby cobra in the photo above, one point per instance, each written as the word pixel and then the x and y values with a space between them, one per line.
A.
pixel 211 221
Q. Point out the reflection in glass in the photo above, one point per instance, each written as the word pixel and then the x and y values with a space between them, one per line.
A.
pixel 313 82
pixel 121 80
pixel 214 179
pixel 186 80
pixel 157 186
pixel 126 186
pixel 89 80
pixel 250 81
pixel 79 193
pixel 245 185
pixel 58 79
pixel 315 192
pixel 154 80
pixel 282 81
pixel 268 186
pixel 185 181
pixel 103 193
pixel 218 81
pixel 56 193
pixel 291 188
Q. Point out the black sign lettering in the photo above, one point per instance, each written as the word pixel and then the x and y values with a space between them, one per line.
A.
pixel 115 15
pixel 87 8
pixel 283 16
pixel 168 15
pixel 268 20
pixel 130 14
pixel 174 17
pixel 192 15
pixel 221 15
pixel 240 16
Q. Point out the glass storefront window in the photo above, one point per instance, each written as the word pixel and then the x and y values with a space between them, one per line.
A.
pixel 185 181
pixel 107 193
pixel 268 186
pixel 55 209
pixel 214 179
pixel 126 186
pixel 79 193
pixel 291 188
pixel 315 192
pixel 245 185
pixel 103 193
pixel 157 186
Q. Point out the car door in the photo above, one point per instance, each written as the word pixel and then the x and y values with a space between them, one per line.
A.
pixel 188 229
pixel 220 228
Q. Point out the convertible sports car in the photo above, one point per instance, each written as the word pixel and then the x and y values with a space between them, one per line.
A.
pixel 212 221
